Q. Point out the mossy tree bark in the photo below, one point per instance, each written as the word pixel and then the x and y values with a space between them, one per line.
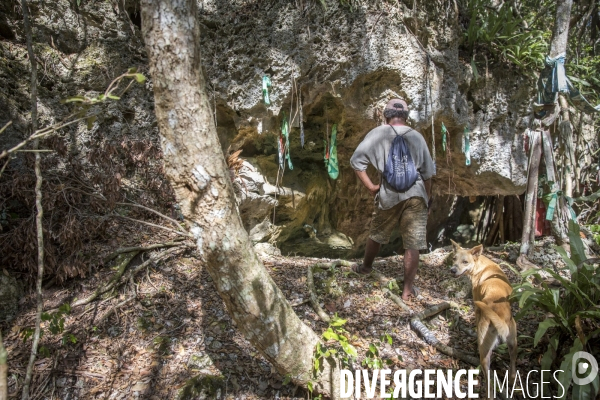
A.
pixel 195 165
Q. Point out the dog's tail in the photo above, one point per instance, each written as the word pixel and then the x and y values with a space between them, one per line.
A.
pixel 500 325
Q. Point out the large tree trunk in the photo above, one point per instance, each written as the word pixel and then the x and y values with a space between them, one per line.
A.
pixel 558 45
pixel 195 165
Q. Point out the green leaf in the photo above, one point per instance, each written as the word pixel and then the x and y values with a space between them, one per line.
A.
pixel 113 97
pixel 565 376
pixel 286 379
pixel 329 335
pixel 140 78
pixel 349 349
pixel 317 364
pixel 524 296
pixel 373 349
pixel 577 249
pixel 388 338
pixel 570 264
pixel 132 70
pixel 338 321
pixel 542 328
pixel 586 392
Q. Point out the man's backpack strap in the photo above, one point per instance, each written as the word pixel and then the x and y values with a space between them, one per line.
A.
pixel 396 132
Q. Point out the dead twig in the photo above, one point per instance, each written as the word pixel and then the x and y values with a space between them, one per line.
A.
pixel 153 225
pixel 177 224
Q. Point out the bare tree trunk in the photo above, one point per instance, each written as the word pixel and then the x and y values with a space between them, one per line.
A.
pixel 558 45
pixel 531 194
pixel 195 165
pixel 38 203
pixel 560 33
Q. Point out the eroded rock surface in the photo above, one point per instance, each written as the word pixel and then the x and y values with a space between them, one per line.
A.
pixel 342 64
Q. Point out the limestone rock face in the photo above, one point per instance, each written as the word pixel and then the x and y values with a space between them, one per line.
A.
pixel 342 65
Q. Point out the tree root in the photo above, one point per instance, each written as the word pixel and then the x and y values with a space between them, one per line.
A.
pixel 114 309
pixel 417 325
pixel 122 262
pixel 310 282
pixel 314 301
pixel 398 300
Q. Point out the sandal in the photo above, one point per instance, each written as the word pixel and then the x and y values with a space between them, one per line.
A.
pixel 360 269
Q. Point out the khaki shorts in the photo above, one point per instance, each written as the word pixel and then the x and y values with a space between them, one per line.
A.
pixel 410 216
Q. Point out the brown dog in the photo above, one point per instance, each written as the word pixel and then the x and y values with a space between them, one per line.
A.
pixel 493 314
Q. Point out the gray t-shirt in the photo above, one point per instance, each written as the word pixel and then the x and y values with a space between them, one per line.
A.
pixel 374 150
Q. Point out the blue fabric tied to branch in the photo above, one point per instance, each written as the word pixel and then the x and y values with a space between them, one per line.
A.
pixel 551 199
pixel 553 80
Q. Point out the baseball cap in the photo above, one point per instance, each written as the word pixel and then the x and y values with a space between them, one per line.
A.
pixel 397 104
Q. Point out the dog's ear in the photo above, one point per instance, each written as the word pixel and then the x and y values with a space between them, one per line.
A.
pixel 476 251
pixel 455 246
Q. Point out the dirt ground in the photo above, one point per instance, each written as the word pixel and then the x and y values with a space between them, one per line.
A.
pixel 166 329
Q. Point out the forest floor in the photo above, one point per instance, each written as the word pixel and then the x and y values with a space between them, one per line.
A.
pixel 168 325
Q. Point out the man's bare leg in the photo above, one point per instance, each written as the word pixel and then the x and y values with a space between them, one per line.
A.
pixel 411 263
pixel 371 251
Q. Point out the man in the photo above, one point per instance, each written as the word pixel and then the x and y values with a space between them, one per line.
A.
pixel 407 210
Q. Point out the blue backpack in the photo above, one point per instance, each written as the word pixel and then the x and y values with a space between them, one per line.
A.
pixel 400 171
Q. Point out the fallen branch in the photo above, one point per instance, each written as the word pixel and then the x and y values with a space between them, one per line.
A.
pixel 417 325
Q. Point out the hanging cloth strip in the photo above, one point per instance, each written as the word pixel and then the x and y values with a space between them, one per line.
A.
pixel 330 154
pixel 444 131
pixel 553 79
pixel 332 166
pixel 301 118
pixel 466 146
pixel 285 131
pixel 266 84
pixel 280 151
pixel 551 199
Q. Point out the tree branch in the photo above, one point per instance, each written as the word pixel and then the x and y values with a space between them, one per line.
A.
pixel 3 370
pixel 38 204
